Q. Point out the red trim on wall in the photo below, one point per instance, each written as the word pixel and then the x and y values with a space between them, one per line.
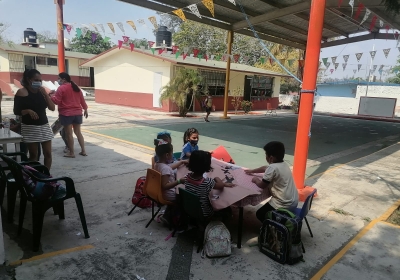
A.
pixel 131 99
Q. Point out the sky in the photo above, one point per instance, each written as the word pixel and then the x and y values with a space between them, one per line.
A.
pixel 41 16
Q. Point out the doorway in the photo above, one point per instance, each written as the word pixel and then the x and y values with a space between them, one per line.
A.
pixel 29 62
pixel 247 87
pixel 157 79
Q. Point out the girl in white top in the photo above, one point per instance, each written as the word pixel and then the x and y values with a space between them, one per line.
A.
pixel 277 179
pixel 164 152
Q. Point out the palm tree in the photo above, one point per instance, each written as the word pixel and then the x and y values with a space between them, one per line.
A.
pixel 185 83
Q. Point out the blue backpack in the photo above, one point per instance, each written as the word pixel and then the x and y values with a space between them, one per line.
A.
pixel 280 237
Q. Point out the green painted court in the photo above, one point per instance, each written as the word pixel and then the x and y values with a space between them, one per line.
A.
pixel 333 141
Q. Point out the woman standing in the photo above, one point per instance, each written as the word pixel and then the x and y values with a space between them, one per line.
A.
pixel 70 101
pixel 31 103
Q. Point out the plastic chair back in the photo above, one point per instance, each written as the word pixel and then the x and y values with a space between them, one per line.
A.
pixel 191 204
pixel 307 205
pixel 16 171
pixel 152 187
pixel 177 155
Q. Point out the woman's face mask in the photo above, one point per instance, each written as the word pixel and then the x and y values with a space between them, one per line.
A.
pixel 36 84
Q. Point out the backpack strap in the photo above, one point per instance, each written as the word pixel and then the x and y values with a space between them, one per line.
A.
pixel 286 211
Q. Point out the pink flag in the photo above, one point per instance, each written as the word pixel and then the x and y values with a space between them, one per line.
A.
pixel 120 44
pixel 132 45
pixel 125 39
pixel 175 49
pixel 206 57
pixel 332 71
pixel 160 51
pixel 374 18
pixel 184 55
pixel 195 52
pixel 151 43
pixel 68 27
pixel 94 37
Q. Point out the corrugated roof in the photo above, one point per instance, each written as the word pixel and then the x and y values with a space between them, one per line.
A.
pixel 191 61
pixel 285 21
pixel 53 52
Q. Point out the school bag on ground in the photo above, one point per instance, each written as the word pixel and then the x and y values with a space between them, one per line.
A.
pixel 217 240
pixel 280 237
pixel 138 194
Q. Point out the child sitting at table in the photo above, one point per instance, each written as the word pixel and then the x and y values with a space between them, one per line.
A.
pixel 277 179
pixel 190 140
pixel 200 163
pixel 164 151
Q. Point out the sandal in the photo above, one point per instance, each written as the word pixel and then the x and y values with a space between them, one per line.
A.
pixel 69 156
pixel 83 154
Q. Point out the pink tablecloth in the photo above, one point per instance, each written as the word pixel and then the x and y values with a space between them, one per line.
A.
pixel 244 193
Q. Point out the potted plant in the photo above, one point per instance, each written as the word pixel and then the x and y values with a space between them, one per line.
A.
pixel 237 97
pixel 185 83
pixel 246 106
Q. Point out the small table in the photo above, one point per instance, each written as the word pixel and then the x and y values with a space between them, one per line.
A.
pixel 12 138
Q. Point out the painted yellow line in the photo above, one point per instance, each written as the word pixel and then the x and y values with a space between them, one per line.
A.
pixel 341 165
pixel 52 254
pixel 390 211
pixel 120 140
pixel 342 252
pixel 389 224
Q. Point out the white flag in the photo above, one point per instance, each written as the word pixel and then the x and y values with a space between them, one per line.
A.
pixel 121 26
pixel 233 2
pixel 142 22
pixel 84 31
pixel 351 3
pixel 381 23
pixel 367 13
pixel 101 27
pixel 194 10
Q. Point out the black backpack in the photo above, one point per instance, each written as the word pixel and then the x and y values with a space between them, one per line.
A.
pixel 280 237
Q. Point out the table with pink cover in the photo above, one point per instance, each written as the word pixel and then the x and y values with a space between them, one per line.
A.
pixel 244 193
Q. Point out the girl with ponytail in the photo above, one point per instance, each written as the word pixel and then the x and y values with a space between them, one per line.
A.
pixel 70 101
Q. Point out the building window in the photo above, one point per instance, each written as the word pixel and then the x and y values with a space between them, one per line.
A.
pixel 214 80
pixel 16 62
pixel 49 61
pixel 261 87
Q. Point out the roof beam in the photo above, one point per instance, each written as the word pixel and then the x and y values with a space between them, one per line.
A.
pixel 303 6
pixel 370 36
pixel 272 39
pixel 306 17
pixel 226 5
pixel 279 35
pixel 347 18
pixel 386 17
pixel 166 9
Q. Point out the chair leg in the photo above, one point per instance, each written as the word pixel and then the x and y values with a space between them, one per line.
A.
pixel 154 215
pixel 11 198
pixel 79 204
pixel 22 208
pixel 3 186
pixel 309 229
pixel 37 221
pixel 240 228
pixel 130 212
pixel 60 210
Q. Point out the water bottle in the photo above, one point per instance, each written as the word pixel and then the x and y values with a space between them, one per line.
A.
pixel 6 126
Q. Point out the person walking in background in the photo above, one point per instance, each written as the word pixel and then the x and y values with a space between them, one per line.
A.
pixel 70 101
pixel 30 103
pixel 208 102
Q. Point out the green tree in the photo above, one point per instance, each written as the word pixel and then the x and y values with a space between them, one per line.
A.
pixel 47 36
pixel 396 71
pixel 140 42
pixel 181 88
pixel 171 22
pixel 392 6
pixel 86 45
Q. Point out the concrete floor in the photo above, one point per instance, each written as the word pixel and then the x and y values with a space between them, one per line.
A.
pixel 124 248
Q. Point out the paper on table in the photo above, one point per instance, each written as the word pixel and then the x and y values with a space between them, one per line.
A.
pixel 228 173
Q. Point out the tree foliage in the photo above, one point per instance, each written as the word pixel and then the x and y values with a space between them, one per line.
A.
pixel 396 71
pixel 84 44
pixel 140 43
pixel 47 36
pixel 171 22
pixel 181 88
pixel 392 6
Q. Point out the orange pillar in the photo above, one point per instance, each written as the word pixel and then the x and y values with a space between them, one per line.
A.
pixel 227 76
pixel 313 49
pixel 60 35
